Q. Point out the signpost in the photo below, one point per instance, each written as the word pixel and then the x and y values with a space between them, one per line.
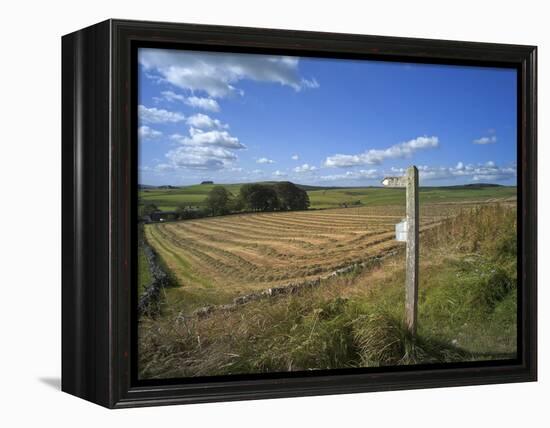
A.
pixel 408 230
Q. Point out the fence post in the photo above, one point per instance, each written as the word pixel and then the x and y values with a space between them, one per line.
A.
pixel 411 281
pixel 412 226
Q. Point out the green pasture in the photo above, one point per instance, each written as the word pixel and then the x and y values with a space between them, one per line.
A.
pixel 376 196
pixel 195 195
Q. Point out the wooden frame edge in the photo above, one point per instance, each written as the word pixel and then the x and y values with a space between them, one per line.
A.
pixel 96 177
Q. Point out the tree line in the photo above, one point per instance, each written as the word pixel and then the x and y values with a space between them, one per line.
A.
pixel 252 197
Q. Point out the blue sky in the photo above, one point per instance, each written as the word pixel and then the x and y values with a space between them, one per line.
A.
pixel 235 118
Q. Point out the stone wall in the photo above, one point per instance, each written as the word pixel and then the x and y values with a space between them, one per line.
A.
pixel 150 299
pixel 291 288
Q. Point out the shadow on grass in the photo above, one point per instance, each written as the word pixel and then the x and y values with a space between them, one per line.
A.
pixel 383 340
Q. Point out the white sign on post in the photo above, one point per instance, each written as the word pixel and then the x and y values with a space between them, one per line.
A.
pixel 401 231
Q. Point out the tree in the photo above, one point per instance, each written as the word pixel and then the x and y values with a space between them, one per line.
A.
pixel 235 204
pixel 291 197
pixel 259 197
pixel 217 200
pixel 270 201
pixel 186 212
pixel 148 209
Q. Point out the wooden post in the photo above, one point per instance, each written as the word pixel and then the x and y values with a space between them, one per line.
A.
pixel 411 280
pixel 410 183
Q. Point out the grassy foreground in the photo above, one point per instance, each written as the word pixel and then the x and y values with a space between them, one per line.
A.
pixel 467 311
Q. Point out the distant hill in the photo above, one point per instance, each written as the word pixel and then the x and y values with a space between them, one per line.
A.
pixel 168 198
pixel 309 187
pixel 483 185
pixel 301 186
pixel 164 186
pixel 472 186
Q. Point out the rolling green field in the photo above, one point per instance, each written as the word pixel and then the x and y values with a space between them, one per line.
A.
pixel 195 195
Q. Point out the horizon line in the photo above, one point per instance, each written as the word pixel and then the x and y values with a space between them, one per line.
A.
pixel 328 186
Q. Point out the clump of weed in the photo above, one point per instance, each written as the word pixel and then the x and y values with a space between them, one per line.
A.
pixel 490 229
pixel 384 340
pixel 494 288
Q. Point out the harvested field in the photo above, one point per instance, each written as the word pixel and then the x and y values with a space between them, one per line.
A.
pixel 217 259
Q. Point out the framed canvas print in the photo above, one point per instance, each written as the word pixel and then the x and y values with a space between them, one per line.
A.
pixel 253 213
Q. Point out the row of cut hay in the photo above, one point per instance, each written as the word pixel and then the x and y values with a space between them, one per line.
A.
pixel 297 244
pixel 206 264
pixel 276 248
pixel 197 261
pixel 237 252
pixel 257 273
pixel 216 257
pixel 258 277
pixel 257 232
pixel 179 262
pixel 261 232
pixel 254 251
pixel 267 226
pixel 357 220
pixel 268 262
pixel 351 216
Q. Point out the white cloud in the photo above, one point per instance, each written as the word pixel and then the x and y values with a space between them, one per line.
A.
pixel 164 167
pixel 147 133
pixel 483 172
pixel 312 84
pixel 217 73
pixel 199 157
pixel 374 156
pixel 198 137
pixel 488 171
pixel 295 157
pixel 364 174
pixel 212 149
pixel 155 115
pixel 200 120
pixel 486 140
pixel 305 168
pixel 265 160
pixel 280 174
pixel 207 104
pixel 172 96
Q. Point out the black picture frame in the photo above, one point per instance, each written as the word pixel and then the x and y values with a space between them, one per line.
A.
pixel 99 191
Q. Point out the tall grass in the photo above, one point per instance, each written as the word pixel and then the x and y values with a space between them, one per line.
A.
pixel 467 311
